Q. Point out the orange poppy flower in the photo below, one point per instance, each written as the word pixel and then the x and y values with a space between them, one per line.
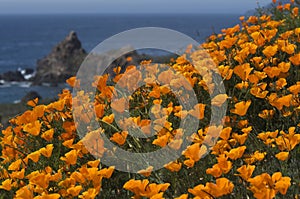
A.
pixel 277 182
pixel 47 151
pixel 173 166
pixel 246 171
pixel 258 92
pixel 39 179
pixel 219 100
pixel 201 191
pixel 129 59
pixel 6 184
pixel 94 143
pixel 260 180
pixel 214 171
pixel 94 163
pixel 225 71
pixel 33 102
pixel 265 114
pixel 143 188
pixel 107 172
pixel 281 83
pixel 243 71
pixel 289 48
pixel 117 70
pixel 198 111
pixel 119 105
pixel 34 156
pixel 48 135
pixel 58 105
pixel 165 90
pixel 25 192
pixel 242 85
pixel 194 153
pixel 70 157
pixel 162 141
pixel 146 172
pixel 281 183
pixel 242 124
pixel 252 19
pixel 282 156
pixel 270 51
pixel 241 139
pixel 72 81
pixel 272 71
pixel 74 190
pixel 155 93
pixel 230 31
pixel 166 77
pixel 295 59
pixel 227 42
pixel 15 166
pixel 225 134
pixel 241 108
pixel 176 144
pixel 285 101
pixel 119 138
pixel 295 89
pixel 295 11
pixel 108 119
pixel 18 174
pixel 224 164
pixel 236 153
pixel 100 82
pixel 33 128
pixel 99 109
pixel 257 61
pixel 258 38
pixel 68 143
pixel 257 156
pixel 222 187
pixel 269 33
pixel 90 193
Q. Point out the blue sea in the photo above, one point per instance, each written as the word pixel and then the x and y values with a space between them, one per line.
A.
pixel 26 38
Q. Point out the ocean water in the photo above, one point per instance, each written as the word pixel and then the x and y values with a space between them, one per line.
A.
pixel 26 38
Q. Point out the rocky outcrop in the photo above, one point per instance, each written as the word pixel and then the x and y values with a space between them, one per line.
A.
pixel 63 61
pixel 30 96
pixel 12 76
pixel 19 75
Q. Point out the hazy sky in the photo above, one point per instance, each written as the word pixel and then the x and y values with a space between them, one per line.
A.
pixel 128 6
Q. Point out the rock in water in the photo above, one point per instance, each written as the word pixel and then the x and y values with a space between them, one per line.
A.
pixel 12 76
pixel 62 63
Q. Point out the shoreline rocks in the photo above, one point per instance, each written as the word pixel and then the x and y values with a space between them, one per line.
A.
pixel 19 75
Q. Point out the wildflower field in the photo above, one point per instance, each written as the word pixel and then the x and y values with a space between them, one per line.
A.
pixel 253 153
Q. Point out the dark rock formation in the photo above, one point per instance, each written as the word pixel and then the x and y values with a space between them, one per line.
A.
pixel 63 61
pixel 19 75
pixel 12 76
pixel 30 96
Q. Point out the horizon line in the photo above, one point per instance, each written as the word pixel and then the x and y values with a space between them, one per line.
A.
pixel 123 13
